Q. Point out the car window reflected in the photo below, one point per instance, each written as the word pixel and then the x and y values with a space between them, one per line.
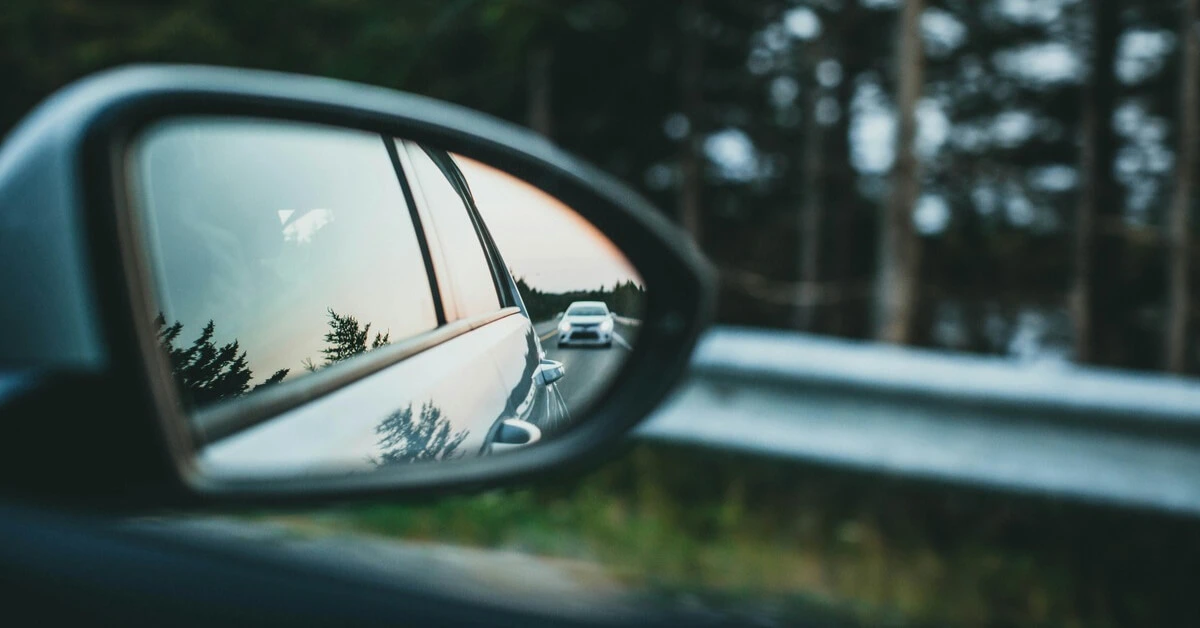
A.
pixel 270 242
pixel 281 250
pixel 468 270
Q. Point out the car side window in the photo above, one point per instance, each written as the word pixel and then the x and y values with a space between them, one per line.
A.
pixel 291 244
pixel 469 270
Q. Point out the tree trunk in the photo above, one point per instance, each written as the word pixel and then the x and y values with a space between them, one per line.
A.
pixel 1178 227
pixel 844 205
pixel 541 60
pixel 809 218
pixel 899 258
pixel 1096 291
pixel 691 88
pixel 1081 267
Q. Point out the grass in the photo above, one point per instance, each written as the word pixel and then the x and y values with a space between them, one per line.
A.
pixel 750 535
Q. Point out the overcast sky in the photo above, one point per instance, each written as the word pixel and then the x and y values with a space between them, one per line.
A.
pixel 550 245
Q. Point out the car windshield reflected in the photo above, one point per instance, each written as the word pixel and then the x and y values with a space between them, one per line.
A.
pixel 587 311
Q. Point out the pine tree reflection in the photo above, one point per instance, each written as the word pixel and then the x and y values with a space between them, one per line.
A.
pixel 406 439
pixel 204 371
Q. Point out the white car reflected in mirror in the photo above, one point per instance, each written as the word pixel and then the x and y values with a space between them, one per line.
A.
pixel 587 323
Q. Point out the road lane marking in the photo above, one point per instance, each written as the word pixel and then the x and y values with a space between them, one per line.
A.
pixel 547 335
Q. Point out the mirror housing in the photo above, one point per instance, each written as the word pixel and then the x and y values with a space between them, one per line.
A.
pixel 83 374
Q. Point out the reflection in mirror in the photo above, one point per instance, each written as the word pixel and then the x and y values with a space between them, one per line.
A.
pixel 330 300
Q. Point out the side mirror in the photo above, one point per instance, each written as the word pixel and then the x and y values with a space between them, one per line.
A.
pixel 513 434
pixel 284 287
pixel 550 371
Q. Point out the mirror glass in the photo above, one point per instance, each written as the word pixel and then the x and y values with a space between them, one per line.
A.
pixel 332 301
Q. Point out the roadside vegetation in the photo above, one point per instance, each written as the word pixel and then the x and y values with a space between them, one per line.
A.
pixel 770 538
pixel 623 299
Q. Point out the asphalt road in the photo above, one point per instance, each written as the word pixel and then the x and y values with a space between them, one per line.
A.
pixel 588 368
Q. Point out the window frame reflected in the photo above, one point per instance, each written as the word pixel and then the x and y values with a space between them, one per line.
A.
pixel 215 421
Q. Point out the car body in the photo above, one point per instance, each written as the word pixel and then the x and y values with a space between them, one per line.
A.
pixel 480 372
pixel 586 323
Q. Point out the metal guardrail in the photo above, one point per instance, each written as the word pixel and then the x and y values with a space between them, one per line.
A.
pixel 1126 438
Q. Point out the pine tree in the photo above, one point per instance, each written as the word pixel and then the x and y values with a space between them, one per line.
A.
pixel 426 439
pixel 346 338
pixel 205 371
pixel 275 378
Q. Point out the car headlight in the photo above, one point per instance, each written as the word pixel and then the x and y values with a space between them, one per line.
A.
pixel 606 325
pixel 564 326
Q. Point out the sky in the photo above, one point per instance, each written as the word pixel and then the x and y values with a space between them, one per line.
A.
pixel 541 239
pixel 262 227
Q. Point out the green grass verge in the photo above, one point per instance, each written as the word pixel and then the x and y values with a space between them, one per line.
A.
pixel 765 536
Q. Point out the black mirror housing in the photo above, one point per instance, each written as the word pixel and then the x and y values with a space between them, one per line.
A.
pixel 82 383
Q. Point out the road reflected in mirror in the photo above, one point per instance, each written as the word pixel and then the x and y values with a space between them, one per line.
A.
pixel 332 301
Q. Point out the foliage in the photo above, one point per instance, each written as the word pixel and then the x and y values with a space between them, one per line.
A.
pixel 346 338
pixel 208 372
pixel 623 299
pixel 1000 150
pixel 205 371
pixel 787 541
pixel 275 378
pixel 404 440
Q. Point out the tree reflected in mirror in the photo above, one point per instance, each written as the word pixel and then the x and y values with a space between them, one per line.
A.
pixel 204 371
pixel 346 338
pixel 405 439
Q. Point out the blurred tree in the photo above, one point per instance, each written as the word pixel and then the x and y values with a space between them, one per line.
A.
pixel 998 142
pixel 810 217
pixel 691 87
pixel 899 257
pixel 1179 220
pixel 1043 166
pixel 1097 249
